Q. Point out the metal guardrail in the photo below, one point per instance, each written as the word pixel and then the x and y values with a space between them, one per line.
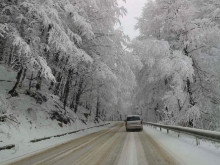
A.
pixel 198 133
pixel 7 147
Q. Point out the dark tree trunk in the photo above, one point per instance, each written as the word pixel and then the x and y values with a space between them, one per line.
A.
pixel 10 56
pixel 39 81
pixel 90 97
pixel 78 95
pixel 23 76
pixel 48 33
pixel 72 105
pixel 30 82
pixel 180 107
pixel 57 87
pixel 66 89
pixel 13 92
pixel 189 90
pixel 97 107
pixel 2 46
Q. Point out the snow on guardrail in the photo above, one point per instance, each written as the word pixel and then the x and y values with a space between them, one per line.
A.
pixel 198 133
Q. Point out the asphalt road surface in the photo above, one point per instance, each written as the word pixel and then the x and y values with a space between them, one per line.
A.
pixel 113 146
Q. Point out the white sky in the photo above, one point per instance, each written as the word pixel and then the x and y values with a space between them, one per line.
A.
pixel 134 9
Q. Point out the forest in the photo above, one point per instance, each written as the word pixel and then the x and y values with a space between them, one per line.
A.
pixel 180 51
pixel 75 50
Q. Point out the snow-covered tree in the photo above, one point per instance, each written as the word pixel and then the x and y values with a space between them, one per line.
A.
pixel 71 47
pixel 192 32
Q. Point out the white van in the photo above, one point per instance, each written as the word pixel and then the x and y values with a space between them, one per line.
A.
pixel 133 122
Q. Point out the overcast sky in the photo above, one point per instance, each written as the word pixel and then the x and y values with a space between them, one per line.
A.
pixel 134 8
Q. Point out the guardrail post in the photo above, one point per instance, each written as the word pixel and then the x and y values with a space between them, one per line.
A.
pixel 197 141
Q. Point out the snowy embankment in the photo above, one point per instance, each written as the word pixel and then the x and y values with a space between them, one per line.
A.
pixel 23 118
pixel 184 148
pixel 25 149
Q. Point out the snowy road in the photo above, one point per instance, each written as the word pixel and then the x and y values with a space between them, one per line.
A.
pixel 112 146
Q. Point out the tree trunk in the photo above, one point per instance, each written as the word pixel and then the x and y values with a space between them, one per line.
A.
pixel 10 56
pixel 189 90
pixel 39 81
pixel 23 76
pixel 2 46
pixel 13 92
pixel 78 95
pixel 72 105
pixel 88 102
pixel 97 106
pixel 66 90
pixel 180 107
pixel 57 87
pixel 30 82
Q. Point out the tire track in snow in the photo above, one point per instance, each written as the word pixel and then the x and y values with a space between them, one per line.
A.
pixel 129 153
pixel 155 154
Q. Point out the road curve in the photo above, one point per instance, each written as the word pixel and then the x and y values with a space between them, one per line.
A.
pixel 113 146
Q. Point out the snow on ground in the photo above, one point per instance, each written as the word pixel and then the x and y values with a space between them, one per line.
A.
pixel 27 148
pixel 184 149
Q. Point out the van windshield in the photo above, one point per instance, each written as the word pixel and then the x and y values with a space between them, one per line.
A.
pixel 133 118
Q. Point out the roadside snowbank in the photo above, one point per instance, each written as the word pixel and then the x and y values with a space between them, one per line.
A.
pixel 184 148
pixel 27 148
